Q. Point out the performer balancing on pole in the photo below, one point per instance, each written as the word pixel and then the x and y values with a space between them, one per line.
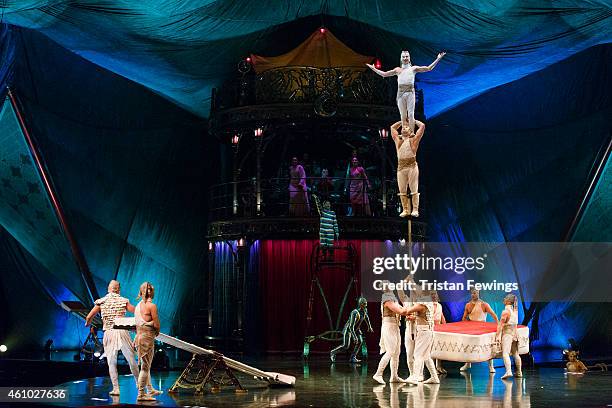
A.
pixel 351 333
pixel 407 167
pixel 328 229
pixel 507 336
pixel 111 307
pixel 405 85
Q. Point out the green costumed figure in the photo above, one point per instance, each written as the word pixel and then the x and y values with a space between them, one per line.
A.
pixel 351 333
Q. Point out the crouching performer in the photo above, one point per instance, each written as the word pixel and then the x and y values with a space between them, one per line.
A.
pixel 351 334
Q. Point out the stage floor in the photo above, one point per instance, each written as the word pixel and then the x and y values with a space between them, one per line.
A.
pixel 320 384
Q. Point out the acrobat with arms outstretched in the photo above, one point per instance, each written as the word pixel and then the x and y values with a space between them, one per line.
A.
pixel 405 85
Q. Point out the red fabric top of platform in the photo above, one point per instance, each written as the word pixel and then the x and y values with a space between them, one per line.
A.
pixel 468 327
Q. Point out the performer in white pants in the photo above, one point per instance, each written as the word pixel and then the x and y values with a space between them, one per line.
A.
pixel 438 318
pixel 390 338
pixel 425 309
pixel 476 310
pixel 410 331
pixel 111 307
pixel 506 334
pixel 407 167
pixel 405 86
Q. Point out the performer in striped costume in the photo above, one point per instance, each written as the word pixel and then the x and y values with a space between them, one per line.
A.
pixel 351 333
pixel 328 229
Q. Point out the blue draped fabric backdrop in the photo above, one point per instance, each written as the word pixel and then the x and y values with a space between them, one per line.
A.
pixel 517 113
pixel 128 168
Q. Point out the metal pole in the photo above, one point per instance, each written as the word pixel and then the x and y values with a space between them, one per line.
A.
pixel 384 176
pixel 55 202
pixel 258 175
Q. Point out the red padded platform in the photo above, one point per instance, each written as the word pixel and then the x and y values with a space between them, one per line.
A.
pixel 468 327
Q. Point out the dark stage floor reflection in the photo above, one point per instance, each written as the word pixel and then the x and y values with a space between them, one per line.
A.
pixel 321 385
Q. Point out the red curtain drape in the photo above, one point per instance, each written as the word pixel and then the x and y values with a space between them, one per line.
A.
pixel 284 282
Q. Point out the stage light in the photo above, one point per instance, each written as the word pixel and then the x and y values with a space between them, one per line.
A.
pixel 322 30
pixel 235 140
pixel 241 243
pixel 377 64
pixel 402 242
pixel 384 134
pixel 211 247
pixel 258 132
pixel 3 348
pixel 97 354
pixel 248 59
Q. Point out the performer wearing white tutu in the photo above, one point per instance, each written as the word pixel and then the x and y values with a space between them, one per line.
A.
pixel 390 337
pixel 507 335
pixel 476 310
pixel 405 85
pixel 111 307
pixel 407 167
pixel 425 310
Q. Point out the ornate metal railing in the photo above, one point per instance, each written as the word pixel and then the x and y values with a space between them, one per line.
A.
pixel 324 87
pixel 241 199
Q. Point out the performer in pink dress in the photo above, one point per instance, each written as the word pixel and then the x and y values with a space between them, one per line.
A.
pixel 358 189
pixel 298 190
pixel 476 310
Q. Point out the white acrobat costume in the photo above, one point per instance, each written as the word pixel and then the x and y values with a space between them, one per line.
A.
pixel 509 339
pixel 405 85
pixel 423 341
pixel 113 306
pixel 390 339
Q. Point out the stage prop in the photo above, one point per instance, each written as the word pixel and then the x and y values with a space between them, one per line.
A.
pixel 344 260
pixel 208 367
pixel 472 342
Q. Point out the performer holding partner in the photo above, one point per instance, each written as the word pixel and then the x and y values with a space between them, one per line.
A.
pixel 405 86
pixel 407 167
pixel 390 337
pixel 111 307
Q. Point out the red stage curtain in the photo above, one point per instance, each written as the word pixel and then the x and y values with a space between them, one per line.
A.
pixel 284 278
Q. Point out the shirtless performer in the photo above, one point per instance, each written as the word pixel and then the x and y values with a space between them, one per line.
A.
pixel 405 86
pixel 424 311
pixel 111 307
pixel 407 167
pixel 390 337
pixel 506 334
pixel 147 328
pixel 476 310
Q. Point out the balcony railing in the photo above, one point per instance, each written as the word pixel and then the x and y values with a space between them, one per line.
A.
pixel 242 199
pixel 320 86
